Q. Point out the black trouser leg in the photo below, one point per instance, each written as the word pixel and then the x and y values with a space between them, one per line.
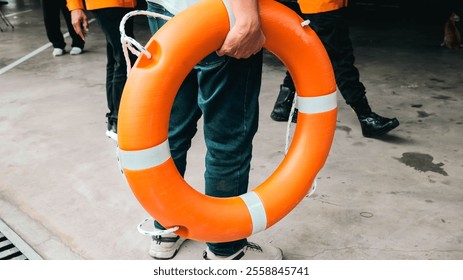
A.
pixel 76 40
pixel 51 18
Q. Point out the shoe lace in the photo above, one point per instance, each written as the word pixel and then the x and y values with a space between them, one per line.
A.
pixel 253 247
pixel 158 239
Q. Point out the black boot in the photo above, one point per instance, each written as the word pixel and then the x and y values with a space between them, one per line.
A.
pixel 283 104
pixel 372 124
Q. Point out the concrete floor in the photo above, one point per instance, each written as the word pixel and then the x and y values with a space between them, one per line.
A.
pixel 398 197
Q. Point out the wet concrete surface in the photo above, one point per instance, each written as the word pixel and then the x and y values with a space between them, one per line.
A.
pixel 397 197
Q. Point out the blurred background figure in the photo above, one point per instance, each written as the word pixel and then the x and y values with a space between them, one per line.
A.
pixel 108 15
pixel 52 20
pixel 328 18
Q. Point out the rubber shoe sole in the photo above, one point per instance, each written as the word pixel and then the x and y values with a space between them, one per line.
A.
pixel 250 251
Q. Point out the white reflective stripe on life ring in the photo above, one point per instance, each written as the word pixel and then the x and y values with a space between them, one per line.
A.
pixel 144 159
pixel 317 104
pixel 256 210
pixel 231 15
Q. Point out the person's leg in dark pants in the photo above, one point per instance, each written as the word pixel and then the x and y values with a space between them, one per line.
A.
pixel 51 18
pixel 76 40
pixel 229 92
pixel 333 30
pixel 116 68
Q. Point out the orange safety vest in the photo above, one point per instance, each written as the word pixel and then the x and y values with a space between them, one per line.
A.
pixel 99 4
pixel 320 6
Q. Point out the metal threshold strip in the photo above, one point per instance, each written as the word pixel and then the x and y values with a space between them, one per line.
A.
pixel 13 247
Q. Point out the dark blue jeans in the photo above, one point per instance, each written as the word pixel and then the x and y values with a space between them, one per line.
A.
pixel 225 92
pixel 116 67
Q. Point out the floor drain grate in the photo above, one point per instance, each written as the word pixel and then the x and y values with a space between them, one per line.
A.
pixel 12 247
pixel 8 251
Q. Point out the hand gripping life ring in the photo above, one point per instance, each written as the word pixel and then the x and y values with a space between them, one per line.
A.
pixel 147 101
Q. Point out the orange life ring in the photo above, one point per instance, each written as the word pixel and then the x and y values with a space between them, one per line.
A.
pixel 144 117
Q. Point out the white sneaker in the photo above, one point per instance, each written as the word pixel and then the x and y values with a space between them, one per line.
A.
pixel 111 130
pixel 75 51
pixel 111 134
pixel 58 52
pixel 250 251
pixel 165 247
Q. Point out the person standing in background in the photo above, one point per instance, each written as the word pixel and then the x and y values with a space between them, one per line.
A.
pixel 108 14
pixel 51 17
pixel 328 18
pixel 223 89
